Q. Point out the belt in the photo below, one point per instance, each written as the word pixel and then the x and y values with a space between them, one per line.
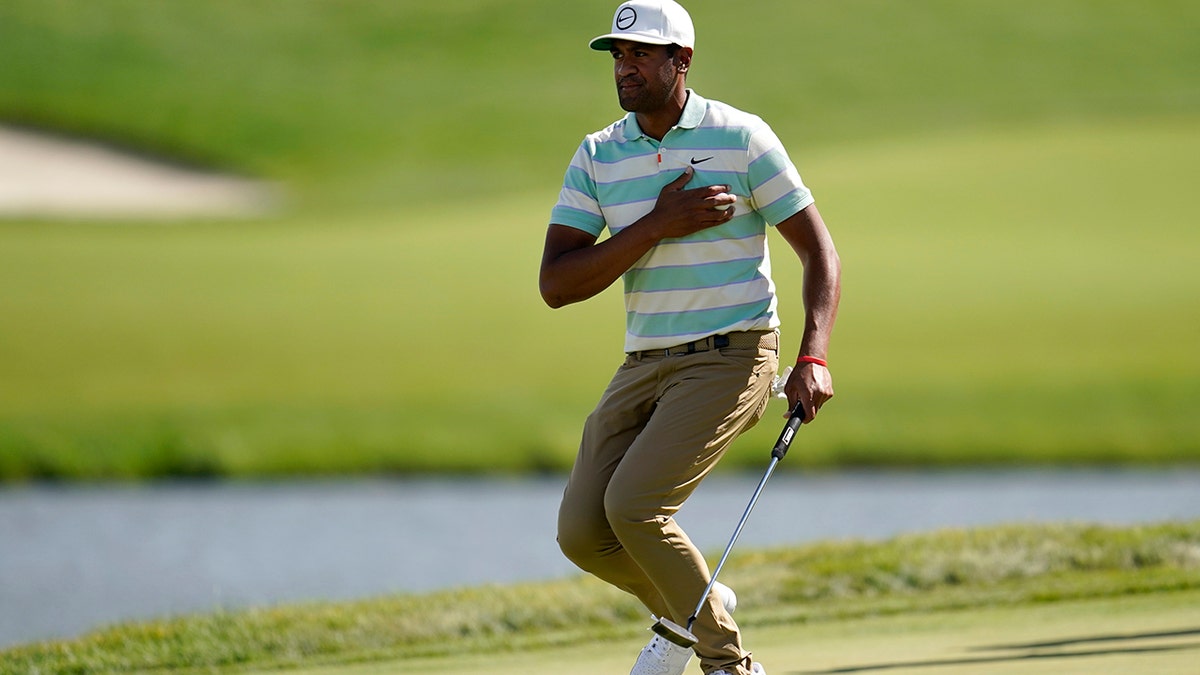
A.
pixel 751 339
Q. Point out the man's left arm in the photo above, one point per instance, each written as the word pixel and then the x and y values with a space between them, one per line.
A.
pixel 810 384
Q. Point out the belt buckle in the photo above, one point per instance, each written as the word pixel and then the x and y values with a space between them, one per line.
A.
pixel 717 342
pixel 681 350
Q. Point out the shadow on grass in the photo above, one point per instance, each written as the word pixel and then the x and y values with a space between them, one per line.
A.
pixel 1084 640
pixel 1031 651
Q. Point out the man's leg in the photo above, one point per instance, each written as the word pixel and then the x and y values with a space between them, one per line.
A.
pixel 704 401
pixel 584 533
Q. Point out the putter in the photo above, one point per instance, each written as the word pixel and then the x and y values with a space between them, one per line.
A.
pixel 681 635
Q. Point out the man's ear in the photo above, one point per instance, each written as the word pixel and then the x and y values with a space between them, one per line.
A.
pixel 683 59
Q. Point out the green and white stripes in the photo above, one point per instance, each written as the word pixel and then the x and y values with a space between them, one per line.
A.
pixel 714 281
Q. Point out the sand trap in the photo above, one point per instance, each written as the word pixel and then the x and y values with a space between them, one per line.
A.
pixel 47 176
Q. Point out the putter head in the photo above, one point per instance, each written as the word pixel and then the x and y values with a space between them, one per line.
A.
pixel 674 632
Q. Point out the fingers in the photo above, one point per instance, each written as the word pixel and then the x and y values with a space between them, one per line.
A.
pixel 715 197
pixel 810 388
pixel 714 202
pixel 677 184
pixel 723 200
pixel 809 407
pixel 810 411
pixel 682 211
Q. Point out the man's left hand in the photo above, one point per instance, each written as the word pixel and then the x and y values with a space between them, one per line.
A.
pixel 810 385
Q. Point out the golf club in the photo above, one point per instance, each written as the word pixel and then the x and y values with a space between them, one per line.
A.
pixel 683 636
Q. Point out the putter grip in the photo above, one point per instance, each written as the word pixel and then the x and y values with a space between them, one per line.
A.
pixel 789 431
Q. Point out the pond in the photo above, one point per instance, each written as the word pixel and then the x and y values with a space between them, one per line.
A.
pixel 73 558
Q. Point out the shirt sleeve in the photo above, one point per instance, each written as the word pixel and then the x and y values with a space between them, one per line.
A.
pixel 578 205
pixel 775 184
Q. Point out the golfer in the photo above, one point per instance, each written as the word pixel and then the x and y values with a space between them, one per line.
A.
pixel 686 187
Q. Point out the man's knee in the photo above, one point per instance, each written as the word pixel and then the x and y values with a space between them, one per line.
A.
pixel 573 546
pixel 584 541
pixel 628 514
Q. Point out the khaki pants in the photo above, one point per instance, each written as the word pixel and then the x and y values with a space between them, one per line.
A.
pixel 663 423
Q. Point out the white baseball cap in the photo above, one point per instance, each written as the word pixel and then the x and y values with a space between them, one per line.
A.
pixel 656 22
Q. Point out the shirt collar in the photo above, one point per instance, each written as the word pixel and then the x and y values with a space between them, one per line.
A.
pixel 691 117
pixel 693 111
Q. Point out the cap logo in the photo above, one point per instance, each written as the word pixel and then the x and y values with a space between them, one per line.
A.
pixel 626 18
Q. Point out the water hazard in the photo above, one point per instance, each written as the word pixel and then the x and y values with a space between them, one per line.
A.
pixel 74 558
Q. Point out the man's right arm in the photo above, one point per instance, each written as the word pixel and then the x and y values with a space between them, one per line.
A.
pixel 575 268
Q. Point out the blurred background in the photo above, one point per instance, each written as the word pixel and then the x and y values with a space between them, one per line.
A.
pixel 270 240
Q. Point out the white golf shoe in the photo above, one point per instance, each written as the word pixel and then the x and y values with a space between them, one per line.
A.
pixel 663 657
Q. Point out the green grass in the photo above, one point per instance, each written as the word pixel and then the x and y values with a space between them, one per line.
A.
pixel 821 583
pixel 1008 184
pixel 1137 634
pixel 970 332
pixel 389 101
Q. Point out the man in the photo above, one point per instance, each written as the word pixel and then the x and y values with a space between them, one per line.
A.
pixel 687 188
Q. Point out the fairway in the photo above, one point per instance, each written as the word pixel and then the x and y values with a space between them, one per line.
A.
pixel 1158 633
pixel 300 347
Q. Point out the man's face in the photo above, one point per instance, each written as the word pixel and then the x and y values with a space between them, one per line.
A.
pixel 646 75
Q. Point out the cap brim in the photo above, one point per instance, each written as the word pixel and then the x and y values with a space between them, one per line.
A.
pixel 604 42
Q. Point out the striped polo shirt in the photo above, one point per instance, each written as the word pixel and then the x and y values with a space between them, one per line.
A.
pixel 712 282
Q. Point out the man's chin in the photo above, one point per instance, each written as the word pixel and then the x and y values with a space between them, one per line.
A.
pixel 629 103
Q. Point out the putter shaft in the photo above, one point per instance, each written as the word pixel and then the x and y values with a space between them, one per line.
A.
pixel 777 453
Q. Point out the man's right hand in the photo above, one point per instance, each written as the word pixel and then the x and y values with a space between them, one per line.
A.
pixel 575 267
pixel 679 212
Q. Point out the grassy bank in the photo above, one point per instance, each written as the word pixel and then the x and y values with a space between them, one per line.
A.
pixel 1007 183
pixel 994 567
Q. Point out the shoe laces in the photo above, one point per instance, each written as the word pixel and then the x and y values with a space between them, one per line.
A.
pixel 662 657
pixel 664 650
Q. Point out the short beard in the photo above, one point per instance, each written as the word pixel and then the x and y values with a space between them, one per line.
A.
pixel 645 100
pixel 632 105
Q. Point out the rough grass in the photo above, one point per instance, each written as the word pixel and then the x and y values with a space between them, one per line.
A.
pixel 996 566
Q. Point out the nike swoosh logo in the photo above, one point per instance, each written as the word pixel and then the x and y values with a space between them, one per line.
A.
pixel 697 161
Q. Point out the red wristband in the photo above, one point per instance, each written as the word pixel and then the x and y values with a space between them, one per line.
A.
pixel 814 360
